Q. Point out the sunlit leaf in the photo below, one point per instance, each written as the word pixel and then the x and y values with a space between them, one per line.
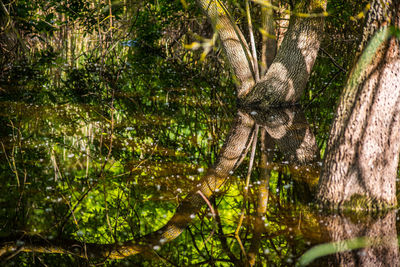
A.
pixel 332 248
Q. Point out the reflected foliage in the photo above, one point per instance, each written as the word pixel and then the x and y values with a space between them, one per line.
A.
pixel 107 122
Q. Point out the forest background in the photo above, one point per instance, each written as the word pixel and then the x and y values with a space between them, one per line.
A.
pixel 143 93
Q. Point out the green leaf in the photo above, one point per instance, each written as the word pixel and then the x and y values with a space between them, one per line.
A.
pixel 332 248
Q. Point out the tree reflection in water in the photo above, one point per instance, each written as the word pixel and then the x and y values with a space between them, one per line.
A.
pixel 381 243
pixel 276 226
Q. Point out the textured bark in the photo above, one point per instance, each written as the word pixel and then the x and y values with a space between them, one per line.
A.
pixel 36 244
pixel 268 46
pixel 288 74
pixel 381 238
pixel 361 160
pixel 230 157
pixel 283 84
pixel 290 131
pixel 233 43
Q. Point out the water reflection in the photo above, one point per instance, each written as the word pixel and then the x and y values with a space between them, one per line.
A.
pixel 378 245
pixel 68 191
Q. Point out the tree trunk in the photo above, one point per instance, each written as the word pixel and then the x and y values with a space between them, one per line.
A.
pixel 284 82
pixel 268 45
pixel 233 43
pixel 361 159
pixel 290 131
pixel 288 74
pixel 380 237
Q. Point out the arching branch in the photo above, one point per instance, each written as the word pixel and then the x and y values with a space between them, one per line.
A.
pixel 233 42
pixel 288 74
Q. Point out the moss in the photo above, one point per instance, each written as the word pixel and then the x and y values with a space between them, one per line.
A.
pixel 310 7
pixel 359 204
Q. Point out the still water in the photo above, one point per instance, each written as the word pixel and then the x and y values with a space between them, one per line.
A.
pixel 85 184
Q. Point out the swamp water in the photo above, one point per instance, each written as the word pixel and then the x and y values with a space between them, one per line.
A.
pixel 117 184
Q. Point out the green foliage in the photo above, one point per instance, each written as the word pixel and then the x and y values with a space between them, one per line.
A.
pixel 107 124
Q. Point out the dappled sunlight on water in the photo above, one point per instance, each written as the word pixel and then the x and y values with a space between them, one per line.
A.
pixel 77 179
pixel 126 138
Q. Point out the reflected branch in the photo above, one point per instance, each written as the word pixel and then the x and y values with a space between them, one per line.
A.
pixel 232 154
pixel 290 131
pixel 263 193
pixel 287 128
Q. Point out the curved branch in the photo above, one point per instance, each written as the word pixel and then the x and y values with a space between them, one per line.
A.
pixel 231 155
pixel 288 74
pixel 290 131
pixel 233 43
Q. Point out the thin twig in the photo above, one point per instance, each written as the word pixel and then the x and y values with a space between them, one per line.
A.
pixel 322 90
pixel 252 42
pixel 208 202
pixel 12 166
pixel 333 60
pixel 253 150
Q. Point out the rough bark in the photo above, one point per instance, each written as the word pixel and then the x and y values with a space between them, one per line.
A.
pixel 290 131
pixel 283 83
pixel 12 245
pixel 379 233
pixel 233 43
pixel 288 74
pixel 268 46
pixel 361 159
